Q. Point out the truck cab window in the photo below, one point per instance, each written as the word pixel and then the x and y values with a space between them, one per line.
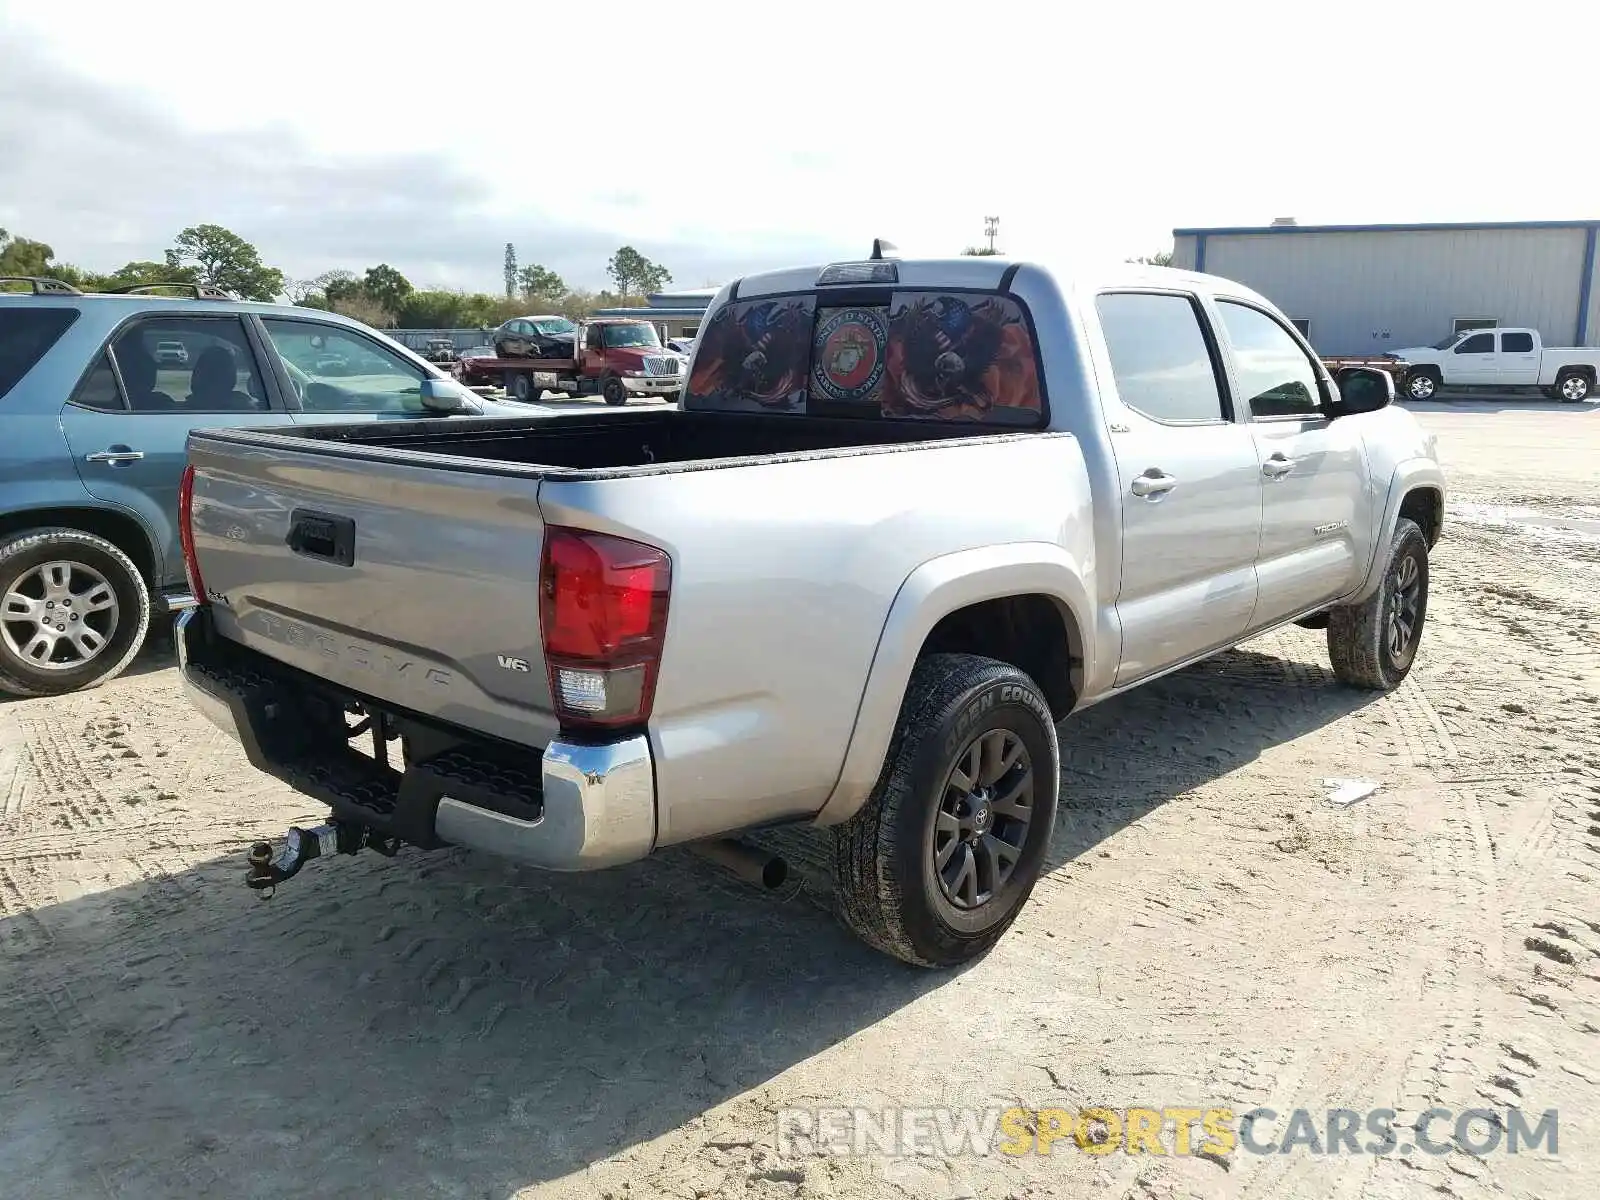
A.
pixel 1516 343
pixel 1276 378
pixel 1159 357
pixel 1478 343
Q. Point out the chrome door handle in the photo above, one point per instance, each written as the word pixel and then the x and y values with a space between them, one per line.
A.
pixel 1153 483
pixel 1277 466
pixel 115 457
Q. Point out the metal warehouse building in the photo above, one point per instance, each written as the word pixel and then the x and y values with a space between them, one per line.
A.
pixel 1369 289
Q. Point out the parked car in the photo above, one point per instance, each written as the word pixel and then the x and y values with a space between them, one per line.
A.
pixel 440 350
pixel 96 407
pixel 1503 359
pixel 683 346
pixel 536 337
pixel 911 515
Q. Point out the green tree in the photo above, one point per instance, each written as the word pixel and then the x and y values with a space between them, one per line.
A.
pixel 224 259
pixel 636 275
pixel 138 274
pixel 980 251
pixel 1162 259
pixel 24 256
pixel 536 280
pixel 386 286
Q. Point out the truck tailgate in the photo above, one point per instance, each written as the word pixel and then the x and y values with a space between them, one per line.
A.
pixel 414 585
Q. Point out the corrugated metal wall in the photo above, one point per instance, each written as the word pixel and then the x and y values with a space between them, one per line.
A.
pixel 1370 291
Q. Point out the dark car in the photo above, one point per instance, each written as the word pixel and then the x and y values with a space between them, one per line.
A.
pixel 537 337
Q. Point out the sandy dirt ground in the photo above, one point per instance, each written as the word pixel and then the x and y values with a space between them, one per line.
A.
pixel 1212 932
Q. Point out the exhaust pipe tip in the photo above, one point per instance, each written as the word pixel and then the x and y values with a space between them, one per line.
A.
pixel 766 871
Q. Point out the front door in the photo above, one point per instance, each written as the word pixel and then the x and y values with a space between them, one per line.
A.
pixel 1189 483
pixel 1472 362
pixel 128 423
pixel 1519 359
pixel 1316 508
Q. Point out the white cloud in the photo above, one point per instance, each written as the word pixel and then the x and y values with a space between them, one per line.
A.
pixel 719 136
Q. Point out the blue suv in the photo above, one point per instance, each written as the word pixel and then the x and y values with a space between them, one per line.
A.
pixel 98 394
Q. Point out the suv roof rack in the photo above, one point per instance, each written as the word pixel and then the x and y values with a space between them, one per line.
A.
pixel 43 285
pixel 201 291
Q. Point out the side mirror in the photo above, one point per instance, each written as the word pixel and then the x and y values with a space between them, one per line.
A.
pixel 443 396
pixel 1361 390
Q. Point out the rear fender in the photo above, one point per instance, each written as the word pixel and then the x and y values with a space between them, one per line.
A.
pixel 930 593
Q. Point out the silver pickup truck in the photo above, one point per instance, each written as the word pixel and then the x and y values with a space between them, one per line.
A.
pixel 910 517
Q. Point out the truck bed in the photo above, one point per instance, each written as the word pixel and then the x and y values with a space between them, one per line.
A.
pixel 610 443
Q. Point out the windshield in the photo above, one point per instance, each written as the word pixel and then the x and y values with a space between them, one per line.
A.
pixel 555 325
pixel 630 335
pixel 1447 342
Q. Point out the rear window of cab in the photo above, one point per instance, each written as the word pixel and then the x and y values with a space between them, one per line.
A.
pixel 26 334
pixel 920 355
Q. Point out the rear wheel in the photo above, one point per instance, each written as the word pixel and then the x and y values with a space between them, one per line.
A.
pixel 73 611
pixel 520 387
pixel 940 860
pixel 1574 387
pixel 614 391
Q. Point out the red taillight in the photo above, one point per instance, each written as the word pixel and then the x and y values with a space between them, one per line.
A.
pixel 603 610
pixel 191 564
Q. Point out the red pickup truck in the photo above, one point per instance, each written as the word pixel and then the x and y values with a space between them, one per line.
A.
pixel 614 356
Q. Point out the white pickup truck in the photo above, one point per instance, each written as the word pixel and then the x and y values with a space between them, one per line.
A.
pixel 911 517
pixel 1500 358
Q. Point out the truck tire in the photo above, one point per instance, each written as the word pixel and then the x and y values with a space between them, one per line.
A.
pixel 73 611
pixel 1373 644
pixel 1573 387
pixel 520 388
pixel 937 864
pixel 1422 383
pixel 614 391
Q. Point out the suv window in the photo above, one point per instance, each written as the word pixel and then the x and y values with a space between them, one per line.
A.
pixel 99 389
pixel 1276 377
pixel 1478 343
pixel 188 364
pixel 1159 356
pixel 1516 343
pixel 25 335
pixel 339 371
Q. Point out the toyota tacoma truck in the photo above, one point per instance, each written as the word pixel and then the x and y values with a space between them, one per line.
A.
pixel 911 516
pixel 1502 359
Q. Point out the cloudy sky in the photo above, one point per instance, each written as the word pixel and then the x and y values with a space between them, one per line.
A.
pixel 725 137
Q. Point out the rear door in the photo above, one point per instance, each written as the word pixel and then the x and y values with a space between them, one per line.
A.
pixel 1519 359
pixel 128 421
pixel 1190 485
pixel 1473 362
pixel 1315 501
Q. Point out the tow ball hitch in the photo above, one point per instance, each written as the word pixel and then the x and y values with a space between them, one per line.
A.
pixel 269 868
